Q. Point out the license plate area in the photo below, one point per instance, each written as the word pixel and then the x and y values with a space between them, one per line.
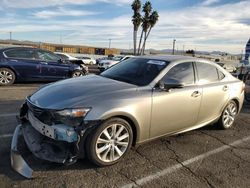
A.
pixel 41 127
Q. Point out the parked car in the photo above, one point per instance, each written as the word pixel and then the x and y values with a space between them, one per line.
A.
pixel 105 64
pixel 228 67
pixel 100 59
pixel 65 56
pixel 132 102
pixel 87 60
pixel 80 62
pixel 32 64
pixel 247 89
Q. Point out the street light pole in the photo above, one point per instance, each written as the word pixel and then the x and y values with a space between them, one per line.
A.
pixel 110 43
pixel 174 45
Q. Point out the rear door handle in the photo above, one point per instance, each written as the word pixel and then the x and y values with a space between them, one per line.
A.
pixel 196 94
pixel 225 88
pixel 44 63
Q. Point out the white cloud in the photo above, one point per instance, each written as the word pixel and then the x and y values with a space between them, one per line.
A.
pixel 209 2
pixel 48 3
pixel 199 27
pixel 62 12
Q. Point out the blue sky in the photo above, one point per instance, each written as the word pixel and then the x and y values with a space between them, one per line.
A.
pixel 196 24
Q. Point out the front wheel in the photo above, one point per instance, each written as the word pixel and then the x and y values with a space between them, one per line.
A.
pixel 77 73
pixel 7 76
pixel 228 116
pixel 109 142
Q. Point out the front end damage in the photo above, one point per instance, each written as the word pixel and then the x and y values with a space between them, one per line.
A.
pixel 57 143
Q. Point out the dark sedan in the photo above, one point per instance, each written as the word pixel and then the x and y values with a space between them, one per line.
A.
pixel 32 64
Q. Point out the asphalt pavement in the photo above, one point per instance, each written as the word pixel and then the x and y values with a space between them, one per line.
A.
pixel 206 157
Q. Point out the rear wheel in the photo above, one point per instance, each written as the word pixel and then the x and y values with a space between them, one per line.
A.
pixel 227 118
pixel 109 142
pixel 77 73
pixel 7 76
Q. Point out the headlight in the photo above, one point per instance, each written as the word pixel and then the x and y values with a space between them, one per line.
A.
pixel 72 117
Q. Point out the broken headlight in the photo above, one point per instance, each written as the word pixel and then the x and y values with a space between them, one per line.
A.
pixel 72 117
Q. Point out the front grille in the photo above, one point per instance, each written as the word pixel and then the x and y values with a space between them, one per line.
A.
pixel 43 115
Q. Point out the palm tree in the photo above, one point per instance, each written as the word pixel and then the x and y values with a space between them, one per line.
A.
pixel 136 19
pixel 154 17
pixel 147 8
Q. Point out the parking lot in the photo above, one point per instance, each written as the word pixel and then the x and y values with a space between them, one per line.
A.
pixel 202 158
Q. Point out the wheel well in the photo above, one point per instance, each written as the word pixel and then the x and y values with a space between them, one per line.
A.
pixel 10 69
pixel 134 129
pixel 237 103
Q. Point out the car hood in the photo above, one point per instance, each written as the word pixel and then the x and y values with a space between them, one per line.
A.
pixel 78 92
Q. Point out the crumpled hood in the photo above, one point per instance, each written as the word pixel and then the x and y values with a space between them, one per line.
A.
pixel 78 92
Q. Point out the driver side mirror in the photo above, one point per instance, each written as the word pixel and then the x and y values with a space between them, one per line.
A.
pixel 170 84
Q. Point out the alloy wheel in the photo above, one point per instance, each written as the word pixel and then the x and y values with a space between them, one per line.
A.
pixel 229 115
pixel 112 143
pixel 77 74
pixel 5 77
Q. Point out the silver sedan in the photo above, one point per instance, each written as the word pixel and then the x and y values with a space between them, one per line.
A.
pixel 135 101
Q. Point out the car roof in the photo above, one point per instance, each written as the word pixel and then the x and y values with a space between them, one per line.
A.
pixel 172 58
pixel 13 48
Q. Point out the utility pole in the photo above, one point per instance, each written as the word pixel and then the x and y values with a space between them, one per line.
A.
pixel 174 46
pixel 10 35
pixel 110 43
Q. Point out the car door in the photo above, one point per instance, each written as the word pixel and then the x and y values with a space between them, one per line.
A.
pixel 176 109
pixel 52 67
pixel 24 62
pixel 215 91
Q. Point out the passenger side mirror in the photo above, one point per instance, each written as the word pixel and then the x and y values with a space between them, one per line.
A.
pixel 170 84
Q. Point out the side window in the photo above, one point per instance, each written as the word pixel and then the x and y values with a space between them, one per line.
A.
pixel 20 53
pixel 183 72
pixel 207 73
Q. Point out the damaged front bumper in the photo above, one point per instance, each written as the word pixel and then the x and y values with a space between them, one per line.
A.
pixel 59 145
pixel 17 161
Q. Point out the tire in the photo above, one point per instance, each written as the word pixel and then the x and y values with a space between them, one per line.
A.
pixel 77 73
pixel 7 77
pixel 228 115
pixel 105 156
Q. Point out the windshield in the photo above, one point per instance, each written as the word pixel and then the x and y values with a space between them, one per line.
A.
pixel 47 56
pixel 137 71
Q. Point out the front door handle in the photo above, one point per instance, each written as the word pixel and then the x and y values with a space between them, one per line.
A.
pixel 196 94
pixel 44 62
pixel 225 88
